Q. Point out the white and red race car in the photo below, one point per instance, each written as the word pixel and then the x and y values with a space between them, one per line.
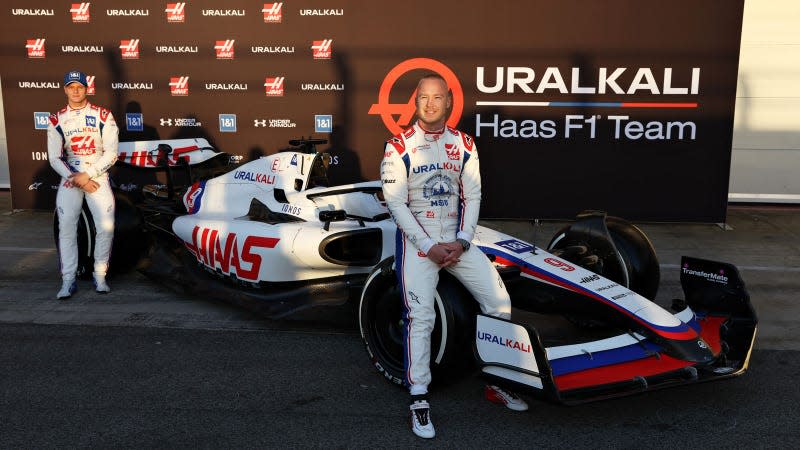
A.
pixel 271 235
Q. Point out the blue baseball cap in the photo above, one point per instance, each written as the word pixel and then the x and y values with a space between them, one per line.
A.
pixel 75 76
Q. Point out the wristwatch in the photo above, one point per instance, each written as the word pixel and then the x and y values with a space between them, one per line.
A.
pixel 464 243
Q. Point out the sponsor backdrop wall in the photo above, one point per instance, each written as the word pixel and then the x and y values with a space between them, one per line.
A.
pixel 620 105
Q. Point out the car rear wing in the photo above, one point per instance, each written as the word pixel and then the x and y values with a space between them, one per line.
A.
pixel 166 152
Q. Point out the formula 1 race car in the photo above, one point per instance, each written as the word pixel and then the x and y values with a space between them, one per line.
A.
pixel 271 235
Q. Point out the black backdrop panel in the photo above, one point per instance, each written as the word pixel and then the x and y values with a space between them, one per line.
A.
pixel 620 105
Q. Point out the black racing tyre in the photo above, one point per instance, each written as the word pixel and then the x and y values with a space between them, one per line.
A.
pixel 130 240
pixel 641 272
pixel 381 325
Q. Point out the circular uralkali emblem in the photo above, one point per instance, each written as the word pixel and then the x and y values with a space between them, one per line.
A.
pixel 702 344
pixel 406 111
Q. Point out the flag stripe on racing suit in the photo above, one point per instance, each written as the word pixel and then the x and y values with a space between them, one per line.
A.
pixel 431 183
pixel 83 140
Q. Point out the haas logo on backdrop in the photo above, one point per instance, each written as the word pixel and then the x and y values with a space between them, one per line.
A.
pixel 224 49
pixel 129 48
pixel 80 12
pixel 322 49
pixel 179 86
pixel 272 12
pixel 90 85
pixel 176 12
pixel 35 48
pixel 388 110
pixel 274 86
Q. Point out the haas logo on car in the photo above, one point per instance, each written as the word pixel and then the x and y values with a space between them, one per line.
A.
pixel 226 254
pixel 82 145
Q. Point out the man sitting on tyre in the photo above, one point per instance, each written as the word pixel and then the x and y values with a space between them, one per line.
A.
pixel 432 186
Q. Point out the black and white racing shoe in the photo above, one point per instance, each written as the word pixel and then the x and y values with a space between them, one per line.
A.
pixel 421 423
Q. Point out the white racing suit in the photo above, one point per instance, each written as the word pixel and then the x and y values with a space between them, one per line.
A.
pixel 432 186
pixel 83 140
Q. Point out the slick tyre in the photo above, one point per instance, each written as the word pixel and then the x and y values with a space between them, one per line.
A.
pixel 641 270
pixel 381 325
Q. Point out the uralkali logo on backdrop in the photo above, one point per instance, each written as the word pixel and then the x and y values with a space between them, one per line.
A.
pixel 272 12
pixel 274 86
pixel 179 86
pixel 127 12
pixel 224 49
pixel 406 111
pixel 129 48
pixel 501 88
pixel 35 48
pixel 33 12
pixel 80 12
pixel 322 49
pixel 507 91
pixel 176 12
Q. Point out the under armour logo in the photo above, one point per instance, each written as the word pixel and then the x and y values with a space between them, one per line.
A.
pixel 166 122
pixel 260 123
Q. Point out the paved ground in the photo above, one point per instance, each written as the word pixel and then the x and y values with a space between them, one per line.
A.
pixel 143 367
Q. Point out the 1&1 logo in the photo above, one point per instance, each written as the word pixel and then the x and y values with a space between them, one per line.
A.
pixel 406 111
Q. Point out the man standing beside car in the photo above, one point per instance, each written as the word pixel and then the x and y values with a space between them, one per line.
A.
pixel 82 145
pixel 432 185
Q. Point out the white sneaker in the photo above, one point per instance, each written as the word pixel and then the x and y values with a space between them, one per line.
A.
pixel 511 400
pixel 421 423
pixel 100 284
pixel 68 287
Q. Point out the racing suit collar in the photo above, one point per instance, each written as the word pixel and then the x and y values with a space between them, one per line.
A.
pixel 439 131
pixel 70 108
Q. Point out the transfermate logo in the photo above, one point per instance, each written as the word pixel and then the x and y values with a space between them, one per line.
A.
pixel 129 48
pixel 90 85
pixel 322 49
pixel 35 48
pixel 179 86
pixel 80 12
pixel 406 111
pixel 224 49
pixel 274 86
pixel 272 12
pixel 176 12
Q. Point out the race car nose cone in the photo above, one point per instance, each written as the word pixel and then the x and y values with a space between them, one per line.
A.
pixel 693 350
